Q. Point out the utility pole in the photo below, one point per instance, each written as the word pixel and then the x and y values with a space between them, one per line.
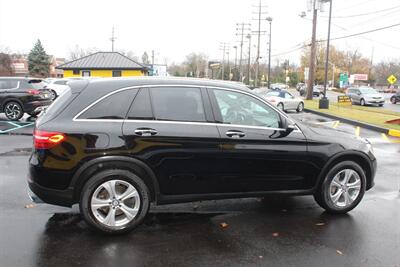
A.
pixel 112 39
pixel 240 30
pixel 269 19
pixel 311 74
pixel 235 47
pixel 229 66
pixel 223 46
pixel 249 60
pixel 324 102
pixel 259 12
pixel 152 57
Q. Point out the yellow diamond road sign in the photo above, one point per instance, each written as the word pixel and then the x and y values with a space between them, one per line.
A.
pixel 392 79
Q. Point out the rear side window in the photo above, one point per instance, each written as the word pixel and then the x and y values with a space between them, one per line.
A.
pixel 36 84
pixel 8 84
pixel 141 107
pixel 113 107
pixel 178 104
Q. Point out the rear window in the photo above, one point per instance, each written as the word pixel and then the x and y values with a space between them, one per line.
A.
pixel 178 104
pixel 113 107
pixel 37 84
pixel 8 84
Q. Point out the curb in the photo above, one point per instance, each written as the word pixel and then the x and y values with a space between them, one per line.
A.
pixel 368 126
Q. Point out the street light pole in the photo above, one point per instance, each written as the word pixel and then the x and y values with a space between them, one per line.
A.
pixel 324 102
pixel 248 65
pixel 269 19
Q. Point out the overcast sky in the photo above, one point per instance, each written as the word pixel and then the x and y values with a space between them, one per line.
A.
pixel 175 28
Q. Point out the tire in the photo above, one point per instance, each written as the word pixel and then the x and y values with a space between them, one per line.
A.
pixel 393 100
pixel 323 196
pixel 362 102
pixel 281 106
pixel 53 95
pixel 136 205
pixel 13 111
pixel 300 107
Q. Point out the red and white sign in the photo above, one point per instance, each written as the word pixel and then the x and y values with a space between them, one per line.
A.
pixel 360 77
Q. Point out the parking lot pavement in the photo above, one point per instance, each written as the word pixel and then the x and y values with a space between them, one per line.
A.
pixel 271 231
pixel 22 127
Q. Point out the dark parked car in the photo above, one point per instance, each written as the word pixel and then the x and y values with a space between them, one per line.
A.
pixel 116 145
pixel 316 91
pixel 22 95
pixel 395 98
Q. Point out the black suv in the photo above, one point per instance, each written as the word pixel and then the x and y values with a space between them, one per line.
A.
pixel 22 95
pixel 116 145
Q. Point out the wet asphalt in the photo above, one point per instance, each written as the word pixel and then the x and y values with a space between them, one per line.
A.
pixel 271 231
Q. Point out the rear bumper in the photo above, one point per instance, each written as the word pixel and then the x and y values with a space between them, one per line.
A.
pixel 51 196
pixel 36 106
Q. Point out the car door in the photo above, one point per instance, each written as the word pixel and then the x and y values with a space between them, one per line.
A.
pixel 257 154
pixel 290 100
pixel 172 130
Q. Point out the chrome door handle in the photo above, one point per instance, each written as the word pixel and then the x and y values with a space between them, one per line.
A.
pixel 235 134
pixel 145 132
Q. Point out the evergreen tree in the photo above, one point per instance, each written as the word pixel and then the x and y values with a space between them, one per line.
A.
pixel 38 61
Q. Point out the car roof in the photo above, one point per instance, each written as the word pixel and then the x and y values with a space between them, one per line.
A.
pixel 21 78
pixel 118 83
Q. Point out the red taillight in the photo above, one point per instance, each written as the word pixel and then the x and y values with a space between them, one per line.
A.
pixel 45 140
pixel 33 92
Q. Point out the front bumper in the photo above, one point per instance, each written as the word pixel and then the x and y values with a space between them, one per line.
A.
pixel 375 102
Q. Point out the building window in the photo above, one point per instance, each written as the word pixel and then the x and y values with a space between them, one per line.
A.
pixel 116 73
pixel 75 72
pixel 86 73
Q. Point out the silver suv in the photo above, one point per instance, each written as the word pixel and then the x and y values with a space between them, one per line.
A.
pixel 365 96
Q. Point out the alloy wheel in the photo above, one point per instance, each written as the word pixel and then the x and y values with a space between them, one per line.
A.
pixel 345 188
pixel 13 111
pixel 393 100
pixel 115 203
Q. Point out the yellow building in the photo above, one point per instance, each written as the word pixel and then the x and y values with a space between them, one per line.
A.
pixel 103 64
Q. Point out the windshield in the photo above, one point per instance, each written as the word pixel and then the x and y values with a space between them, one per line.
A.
pixel 368 90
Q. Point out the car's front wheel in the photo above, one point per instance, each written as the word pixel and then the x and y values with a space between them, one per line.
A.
pixel 13 111
pixel 393 100
pixel 53 94
pixel 300 107
pixel 342 188
pixel 114 201
pixel 362 102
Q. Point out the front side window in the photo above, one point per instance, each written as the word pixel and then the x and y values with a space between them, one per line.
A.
pixel 113 107
pixel 178 104
pixel 241 109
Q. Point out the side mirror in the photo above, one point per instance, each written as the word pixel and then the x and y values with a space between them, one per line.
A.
pixel 285 125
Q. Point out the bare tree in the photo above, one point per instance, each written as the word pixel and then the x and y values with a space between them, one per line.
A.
pixel 196 64
pixel 6 68
pixel 78 52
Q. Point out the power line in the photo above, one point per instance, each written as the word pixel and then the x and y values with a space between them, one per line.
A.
pixel 360 33
pixel 364 14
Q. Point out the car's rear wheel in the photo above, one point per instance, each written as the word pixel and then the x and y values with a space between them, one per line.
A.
pixel 300 107
pixel 13 111
pixel 393 100
pixel 281 106
pixel 362 102
pixel 342 188
pixel 114 201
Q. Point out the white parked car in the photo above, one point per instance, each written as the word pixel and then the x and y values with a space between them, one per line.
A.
pixel 56 86
pixel 284 100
